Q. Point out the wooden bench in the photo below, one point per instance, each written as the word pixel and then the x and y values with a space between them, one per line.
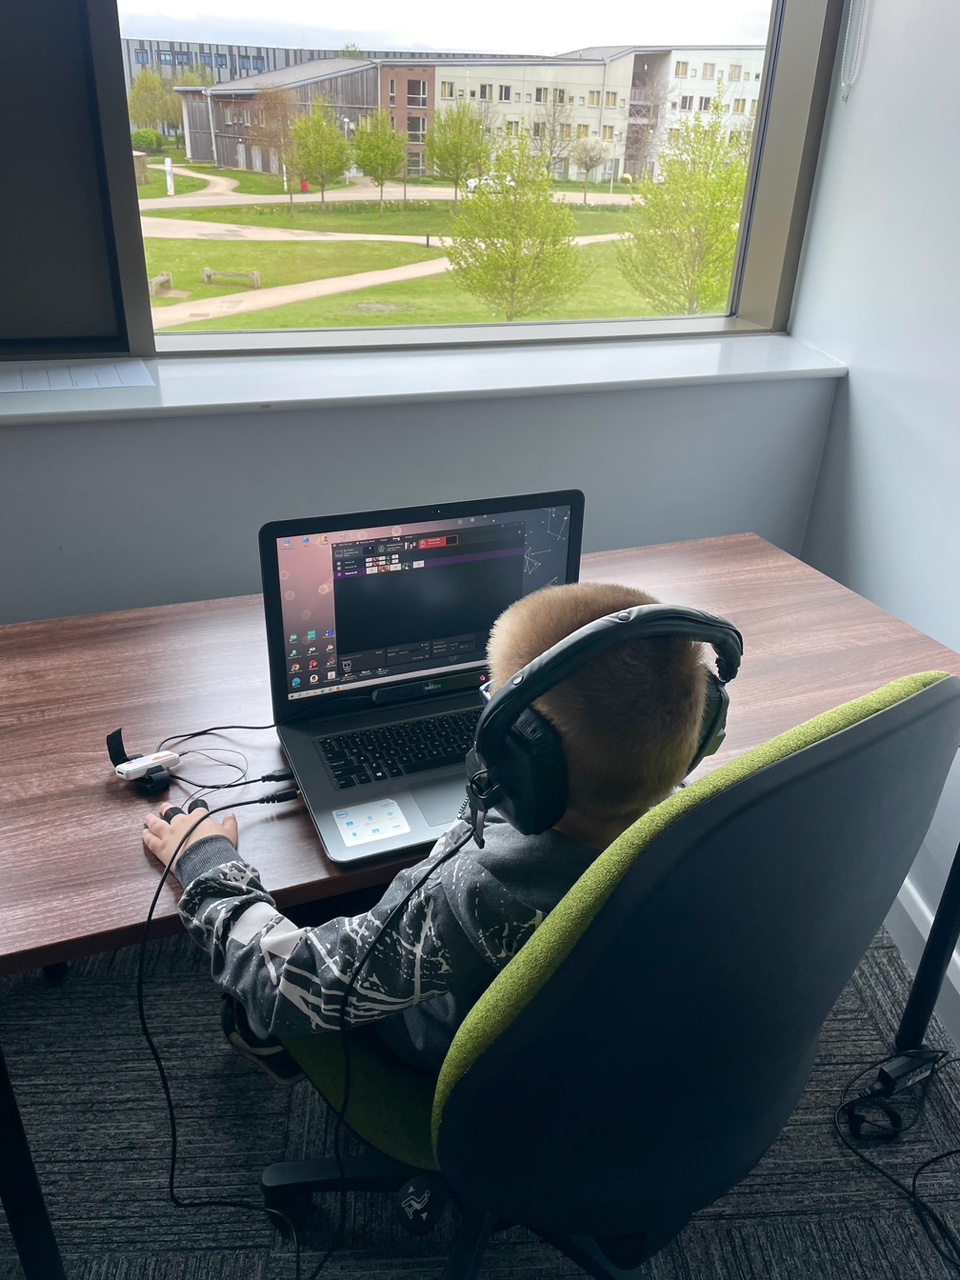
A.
pixel 162 281
pixel 252 276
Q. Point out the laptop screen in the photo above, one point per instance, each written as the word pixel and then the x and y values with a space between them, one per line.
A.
pixel 363 607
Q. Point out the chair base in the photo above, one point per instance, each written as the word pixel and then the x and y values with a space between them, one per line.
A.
pixel 289 1181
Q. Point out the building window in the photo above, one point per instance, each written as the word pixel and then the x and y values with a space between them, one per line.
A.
pixel 593 98
pixel 142 56
pixel 566 131
pixel 559 95
pixel 511 128
pixel 583 131
pixel 607 133
pixel 753 106
pixel 473 93
pixel 681 70
pixel 539 129
pixel 244 62
pixel 221 59
pixel 739 106
pixel 709 70
pixel 693 73
pixel 415 164
pixel 416 128
pixel 446 88
pixel 504 93
pixel 258 64
pixel 757 75
pixel 686 102
pixel 611 100
pixel 166 57
pixel 416 93
pixel 540 95
pixel 182 59
pixel 247 116
pixel 486 93
pixel 207 59
pixel 704 104
pixel 735 71
pixel 393 93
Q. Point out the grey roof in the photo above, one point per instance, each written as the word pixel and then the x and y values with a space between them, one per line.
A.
pixel 289 77
pixel 609 52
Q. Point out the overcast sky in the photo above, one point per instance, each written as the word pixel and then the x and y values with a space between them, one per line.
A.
pixel 495 26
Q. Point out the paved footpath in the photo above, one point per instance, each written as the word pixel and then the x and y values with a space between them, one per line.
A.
pixel 187 229
pixel 216 185
pixel 282 295
pixel 359 189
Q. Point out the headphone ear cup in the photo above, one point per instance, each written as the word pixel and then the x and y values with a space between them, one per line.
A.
pixel 528 767
pixel 714 726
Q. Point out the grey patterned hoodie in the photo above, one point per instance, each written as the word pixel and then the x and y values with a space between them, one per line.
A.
pixel 429 965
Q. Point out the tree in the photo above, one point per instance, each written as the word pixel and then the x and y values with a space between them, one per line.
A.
pixel 458 146
pixel 319 151
pixel 149 102
pixel 513 246
pixel 682 233
pixel 350 50
pixel 586 155
pixel 379 150
pixel 275 113
pixel 552 131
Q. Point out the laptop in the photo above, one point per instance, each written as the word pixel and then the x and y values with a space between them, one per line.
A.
pixel 377 626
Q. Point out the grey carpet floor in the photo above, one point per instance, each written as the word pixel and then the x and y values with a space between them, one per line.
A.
pixel 94 1114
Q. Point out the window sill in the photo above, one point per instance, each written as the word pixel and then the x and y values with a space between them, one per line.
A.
pixel 203 384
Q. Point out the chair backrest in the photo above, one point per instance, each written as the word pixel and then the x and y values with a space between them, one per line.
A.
pixel 644 1049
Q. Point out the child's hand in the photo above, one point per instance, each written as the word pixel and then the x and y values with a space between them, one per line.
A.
pixel 161 838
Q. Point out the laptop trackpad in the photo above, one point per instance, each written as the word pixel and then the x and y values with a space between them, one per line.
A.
pixel 440 801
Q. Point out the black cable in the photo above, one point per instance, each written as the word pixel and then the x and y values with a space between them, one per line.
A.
pixel 180 1203
pixel 278 775
pixel 920 1206
pixel 217 728
pixel 344 1033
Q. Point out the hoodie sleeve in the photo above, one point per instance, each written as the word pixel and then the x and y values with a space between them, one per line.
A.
pixel 296 981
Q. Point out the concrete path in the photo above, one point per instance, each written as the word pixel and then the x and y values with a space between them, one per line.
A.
pixel 187 229
pixel 359 189
pixel 216 185
pixel 283 295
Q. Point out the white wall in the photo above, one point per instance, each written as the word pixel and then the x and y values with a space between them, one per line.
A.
pixel 878 288
pixel 128 513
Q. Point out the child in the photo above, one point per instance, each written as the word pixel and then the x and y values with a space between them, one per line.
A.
pixel 629 721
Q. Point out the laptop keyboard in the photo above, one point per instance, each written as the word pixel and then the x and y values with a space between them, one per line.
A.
pixel 394 750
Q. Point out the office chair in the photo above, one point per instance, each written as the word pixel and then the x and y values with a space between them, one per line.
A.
pixel 641 1053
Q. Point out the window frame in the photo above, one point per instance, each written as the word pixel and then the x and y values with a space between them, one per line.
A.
pixel 801 50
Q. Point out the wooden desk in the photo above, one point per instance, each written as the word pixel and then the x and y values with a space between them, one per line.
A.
pixel 74 878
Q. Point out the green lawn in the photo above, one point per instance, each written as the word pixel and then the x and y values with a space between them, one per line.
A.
pixel 278 264
pixel 157 185
pixel 250 184
pixel 421 217
pixel 437 300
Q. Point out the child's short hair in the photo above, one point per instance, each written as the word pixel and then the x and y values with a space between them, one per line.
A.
pixel 630 719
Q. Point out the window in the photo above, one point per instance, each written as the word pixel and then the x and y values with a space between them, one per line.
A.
pixel 686 102
pixel 739 106
pixel 680 70
pixel 583 131
pixel 708 71
pixel 244 62
pixel 693 73
pixel 511 128
pixel 416 128
pixel 504 93
pixel 559 95
pixel 756 75
pixel 735 70
pixel 182 59
pixel 446 88
pixel 247 116
pixel 486 93
pixel 753 106
pixel 416 93
pixel 704 104
pixel 473 93
pixel 529 97
pixel 207 59
pixel 566 131
pixel 539 131
pixel 783 88
pixel 142 56
pixel 221 59
pixel 610 100
pixel 540 95
pixel 581 101
pixel 166 57
pixel 416 164
pixel 258 64
pixel 392 93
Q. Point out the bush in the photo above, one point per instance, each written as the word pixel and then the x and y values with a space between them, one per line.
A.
pixel 148 140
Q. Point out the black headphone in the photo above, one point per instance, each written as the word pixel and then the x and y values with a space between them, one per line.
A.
pixel 517 765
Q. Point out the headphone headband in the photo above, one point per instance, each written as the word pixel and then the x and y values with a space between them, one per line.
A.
pixel 642 622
